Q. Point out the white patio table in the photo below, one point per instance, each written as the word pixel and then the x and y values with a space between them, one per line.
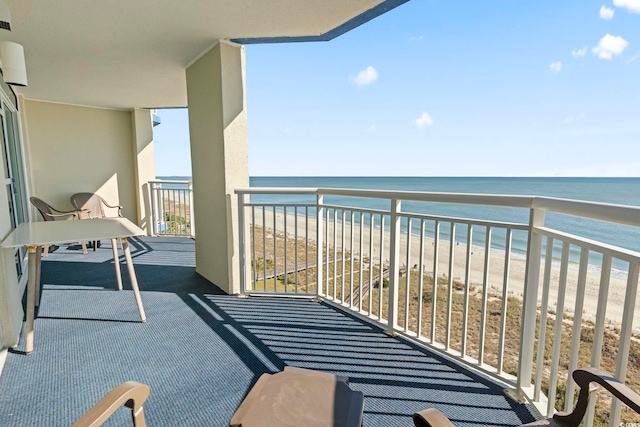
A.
pixel 34 235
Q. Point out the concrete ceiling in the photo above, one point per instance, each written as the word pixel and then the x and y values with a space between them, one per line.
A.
pixel 132 53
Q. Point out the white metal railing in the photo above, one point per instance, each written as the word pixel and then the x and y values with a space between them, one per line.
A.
pixel 442 281
pixel 172 207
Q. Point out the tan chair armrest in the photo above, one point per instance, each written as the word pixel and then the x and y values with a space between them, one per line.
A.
pixel 113 207
pixel 131 394
pixel 431 418
pixel 583 378
pixel 72 214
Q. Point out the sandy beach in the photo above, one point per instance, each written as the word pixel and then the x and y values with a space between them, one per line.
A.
pixel 515 285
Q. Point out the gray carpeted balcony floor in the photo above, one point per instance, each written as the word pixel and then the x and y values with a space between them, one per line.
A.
pixel 201 351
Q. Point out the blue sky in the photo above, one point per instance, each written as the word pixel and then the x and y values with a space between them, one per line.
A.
pixel 441 88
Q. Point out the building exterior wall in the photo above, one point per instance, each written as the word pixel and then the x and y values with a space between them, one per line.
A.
pixel 80 149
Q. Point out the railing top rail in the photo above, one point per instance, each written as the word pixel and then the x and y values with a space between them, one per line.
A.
pixel 620 214
pixel 276 190
pixel 424 196
pixel 169 181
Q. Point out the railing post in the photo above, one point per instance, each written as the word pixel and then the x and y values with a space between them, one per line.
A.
pixel 530 302
pixel 154 209
pixel 394 268
pixel 319 244
pixel 192 217
pixel 242 246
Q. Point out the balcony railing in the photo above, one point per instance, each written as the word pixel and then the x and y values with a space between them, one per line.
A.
pixel 528 314
pixel 172 208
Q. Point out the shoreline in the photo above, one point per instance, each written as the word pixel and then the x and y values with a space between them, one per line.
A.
pixel 517 265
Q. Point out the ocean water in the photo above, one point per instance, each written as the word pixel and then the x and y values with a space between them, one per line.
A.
pixel 624 191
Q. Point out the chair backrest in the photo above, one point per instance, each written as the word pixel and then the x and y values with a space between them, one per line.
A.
pixel 90 201
pixel 44 209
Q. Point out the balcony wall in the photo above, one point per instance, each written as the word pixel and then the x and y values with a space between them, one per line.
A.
pixel 74 149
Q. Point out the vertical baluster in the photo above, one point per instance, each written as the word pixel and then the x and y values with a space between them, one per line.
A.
pixel 275 251
pixel 372 220
pixel 485 295
pixel 577 326
pixel 452 243
pixel 625 336
pixel 380 284
pixel 505 295
pixel 154 213
pixel 173 212
pixel 557 334
pixel 342 252
pixel 335 254
pixel 242 243
pixel 598 332
pixel 295 248
pixel 264 248
pixel 192 226
pixel 407 282
pixel 306 249
pixel 254 256
pixel 351 261
pixel 467 284
pixel 163 220
pixel 184 213
pixel 420 278
pixel 360 252
pixel 544 314
pixel 328 255
pixel 320 214
pixel 180 214
pixel 434 295
pixel 286 270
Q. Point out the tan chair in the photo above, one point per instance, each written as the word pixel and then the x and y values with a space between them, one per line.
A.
pixel 130 394
pixel 49 213
pixel 92 206
pixel 583 377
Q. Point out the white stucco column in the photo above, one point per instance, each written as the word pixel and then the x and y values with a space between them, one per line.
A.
pixel 144 162
pixel 219 159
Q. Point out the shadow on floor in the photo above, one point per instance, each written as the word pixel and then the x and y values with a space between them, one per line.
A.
pixel 201 350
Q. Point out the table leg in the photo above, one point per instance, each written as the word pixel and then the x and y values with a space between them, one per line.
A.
pixel 38 269
pixel 116 261
pixel 132 276
pixel 31 297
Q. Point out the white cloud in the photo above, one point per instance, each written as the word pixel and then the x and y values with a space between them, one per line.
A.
pixel 573 118
pixel 366 77
pixel 555 67
pixel 579 52
pixel 609 46
pixel 606 13
pixel 423 121
pixel 372 128
pixel 416 39
pixel 634 58
pixel 632 5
